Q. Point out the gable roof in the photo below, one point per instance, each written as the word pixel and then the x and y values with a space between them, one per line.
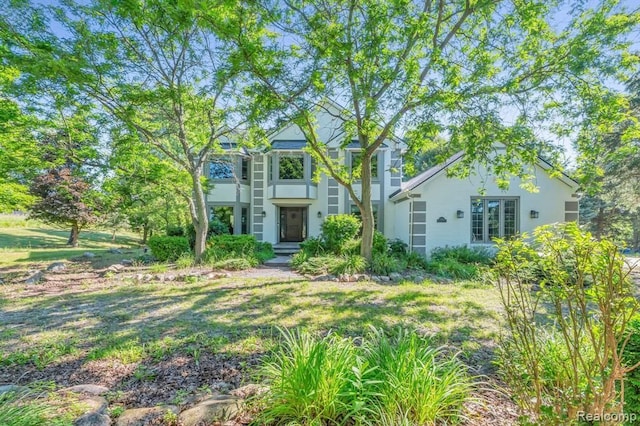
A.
pixel 434 171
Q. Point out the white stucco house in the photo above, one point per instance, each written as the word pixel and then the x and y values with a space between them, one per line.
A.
pixel 270 193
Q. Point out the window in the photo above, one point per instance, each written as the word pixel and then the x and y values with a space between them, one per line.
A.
pixel 493 218
pixel 221 169
pixel 291 167
pixel 355 211
pixel 356 161
pixel 244 166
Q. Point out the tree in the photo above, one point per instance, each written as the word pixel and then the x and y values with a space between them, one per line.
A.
pixel 481 71
pixel 63 199
pixel 143 188
pixel 610 172
pixel 148 64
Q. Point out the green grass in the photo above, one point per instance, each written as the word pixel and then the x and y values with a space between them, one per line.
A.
pixel 27 242
pixel 152 320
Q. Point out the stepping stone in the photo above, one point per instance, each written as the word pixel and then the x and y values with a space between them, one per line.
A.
pixel 145 416
pixel 219 407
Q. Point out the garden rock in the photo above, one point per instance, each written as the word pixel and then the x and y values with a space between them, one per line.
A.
pixel 35 278
pixel 115 251
pixel 13 389
pixel 115 268
pixel 250 390
pixel 95 413
pixel 394 276
pixel 384 278
pixel 144 416
pixel 88 255
pixel 57 267
pixel 219 407
pixel 88 389
pixel 126 262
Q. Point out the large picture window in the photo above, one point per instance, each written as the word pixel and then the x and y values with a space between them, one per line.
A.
pixel 356 161
pixel 291 167
pixel 493 217
pixel 221 169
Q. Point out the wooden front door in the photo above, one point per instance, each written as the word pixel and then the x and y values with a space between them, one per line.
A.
pixel 293 224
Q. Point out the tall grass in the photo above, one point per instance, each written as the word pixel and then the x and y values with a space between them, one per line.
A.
pixel 17 410
pixel 390 381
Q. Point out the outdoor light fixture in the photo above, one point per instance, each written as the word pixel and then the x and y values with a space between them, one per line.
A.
pixel 264 214
pixel 319 215
pixel 534 214
pixel 459 214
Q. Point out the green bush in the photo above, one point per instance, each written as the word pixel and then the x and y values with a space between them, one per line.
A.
pixel 351 264
pixel 384 264
pixel 337 230
pixel 237 264
pixel 451 268
pixel 216 227
pixel 463 254
pixel 168 249
pixel 264 251
pixel 398 247
pixel 316 265
pixel 631 357
pixel 416 261
pixel 313 246
pixel 175 231
pixel 234 245
pixel 380 243
pixel 185 260
pixel 331 380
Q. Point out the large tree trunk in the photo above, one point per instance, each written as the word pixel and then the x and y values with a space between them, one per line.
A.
pixel 73 236
pixel 199 215
pixel 366 210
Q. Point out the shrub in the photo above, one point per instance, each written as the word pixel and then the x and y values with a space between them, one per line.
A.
pixel 631 358
pixel 398 247
pixel 463 254
pixel 175 231
pixel 331 380
pixel 264 251
pixel 185 260
pixel 380 243
pixel 216 227
pixel 452 268
pixel 337 230
pixel 237 264
pixel 234 245
pixel 416 261
pixel 317 265
pixel 313 246
pixel 167 249
pixel 384 264
pixel 351 264
pixel 574 364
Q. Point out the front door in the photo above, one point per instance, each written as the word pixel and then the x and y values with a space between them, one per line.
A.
pixel 293 224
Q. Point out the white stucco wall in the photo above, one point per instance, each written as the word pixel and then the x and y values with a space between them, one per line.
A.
pixel 444 196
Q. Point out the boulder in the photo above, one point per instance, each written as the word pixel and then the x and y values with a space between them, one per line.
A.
pixel 34 278
pixel 88 389
pixel 88 255
pixel 145 416
pixel 384 278
pixel 93 419
pixel 57 267
pixel 219 407
pixel 126 262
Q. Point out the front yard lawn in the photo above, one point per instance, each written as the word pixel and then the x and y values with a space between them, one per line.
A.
pixel 170 342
